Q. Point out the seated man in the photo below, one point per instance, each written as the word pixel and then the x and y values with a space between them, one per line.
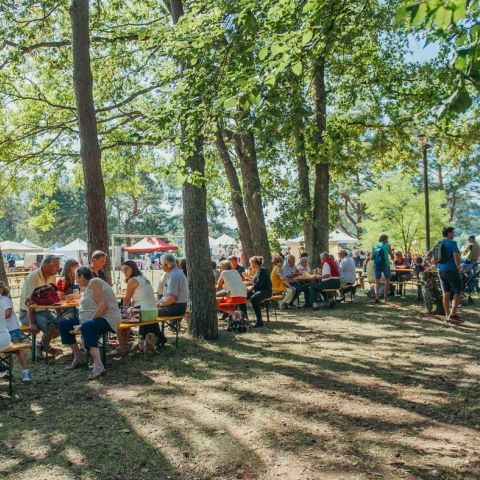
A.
pixel 348 275
pixel 97 265
pixel 290 273
pixel 175 294
pixel 401 273
pixel 329 277
pixel 41 319
pixel 303 267
pixel 281 284
pixel 236 265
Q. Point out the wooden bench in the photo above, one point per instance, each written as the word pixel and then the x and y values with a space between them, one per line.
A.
pixel 273 300
pixel 330 295
pixel 172 321
pixel 6 359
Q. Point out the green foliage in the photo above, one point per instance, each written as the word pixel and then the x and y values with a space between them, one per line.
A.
pixel 396 208
pixel 456 24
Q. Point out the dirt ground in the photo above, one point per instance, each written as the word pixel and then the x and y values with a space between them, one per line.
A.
pixel 358 392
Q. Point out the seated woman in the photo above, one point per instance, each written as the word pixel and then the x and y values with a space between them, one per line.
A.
pixel 10 330
pixel 261 288
pixel 230 283
pixel 139 294
pixel 329 277
pixel 65 284
pixel 401 273
pixel 98 314
pixel 280 283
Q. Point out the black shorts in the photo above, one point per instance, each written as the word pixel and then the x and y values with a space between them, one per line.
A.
pixel 451 282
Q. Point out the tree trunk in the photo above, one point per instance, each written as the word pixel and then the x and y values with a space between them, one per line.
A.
pixel 322 174
pixel 246 150
pixel 87 123
pixel 304 188
pixel 203 310
pixel 236 196
pixel 3 273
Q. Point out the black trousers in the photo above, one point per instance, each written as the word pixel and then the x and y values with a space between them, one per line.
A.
pixel 169 310
pixel 256 299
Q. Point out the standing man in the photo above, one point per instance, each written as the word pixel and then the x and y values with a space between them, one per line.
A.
pixel 472 250
pixel 97 265
pixel 447 258
pixel 381 258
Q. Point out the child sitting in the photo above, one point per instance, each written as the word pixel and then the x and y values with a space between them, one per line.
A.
pixel 10 330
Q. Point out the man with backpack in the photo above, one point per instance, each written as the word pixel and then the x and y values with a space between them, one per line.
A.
pixel 447 258
pixel 381 258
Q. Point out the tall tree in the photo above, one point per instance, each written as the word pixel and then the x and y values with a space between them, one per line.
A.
pixel 87 124
pixel 322 173
pixel 236 197
pixel 3 273
pixel 203 316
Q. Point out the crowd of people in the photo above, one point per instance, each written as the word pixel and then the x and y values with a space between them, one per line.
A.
pixel 99 311
pixel 445 259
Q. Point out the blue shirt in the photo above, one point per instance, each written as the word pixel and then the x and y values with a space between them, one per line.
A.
pixel 451 247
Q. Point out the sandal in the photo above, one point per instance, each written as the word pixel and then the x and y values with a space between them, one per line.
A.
pixel 76 363
pixel 96 372
pixel 120 352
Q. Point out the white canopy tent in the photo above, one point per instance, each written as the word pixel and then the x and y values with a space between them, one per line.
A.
pixel 28 243
pixel 336 240
pixel 223 246
pixel 78 250
pixel 9 246
pixel 224 240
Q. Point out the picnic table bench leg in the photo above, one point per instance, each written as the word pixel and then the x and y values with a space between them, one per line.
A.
pixel 267 309
pixel 163 332
pixel 177 328
pixel 104 349
pixel 10 374
pixel 34 347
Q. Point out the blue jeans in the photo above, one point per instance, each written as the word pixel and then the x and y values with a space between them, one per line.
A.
pixel 65 327
pixel 91 330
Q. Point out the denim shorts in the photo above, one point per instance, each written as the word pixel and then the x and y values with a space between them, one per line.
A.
pixel 451 282
pixel 385 269
pixel 45 320
pixel 16 335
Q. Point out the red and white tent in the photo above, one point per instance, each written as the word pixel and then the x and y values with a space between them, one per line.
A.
pixel 151 244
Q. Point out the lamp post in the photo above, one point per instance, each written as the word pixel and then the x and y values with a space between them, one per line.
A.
pixel 423 142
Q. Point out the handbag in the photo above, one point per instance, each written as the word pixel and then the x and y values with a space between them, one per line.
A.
pixel 45 295
pixel 130 314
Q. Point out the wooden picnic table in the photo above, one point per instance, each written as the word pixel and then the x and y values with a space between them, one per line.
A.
pixel 57 306
pixel 17 274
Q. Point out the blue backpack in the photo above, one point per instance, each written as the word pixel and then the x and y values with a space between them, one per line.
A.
pixel 378 254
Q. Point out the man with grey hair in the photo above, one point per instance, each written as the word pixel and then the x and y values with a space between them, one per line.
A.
pixel 174 298
pixel 44 319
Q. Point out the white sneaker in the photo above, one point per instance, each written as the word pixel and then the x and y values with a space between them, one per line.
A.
pixel 26 378
pixel 316 305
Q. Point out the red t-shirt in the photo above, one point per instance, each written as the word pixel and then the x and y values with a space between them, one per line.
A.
pixel 63 285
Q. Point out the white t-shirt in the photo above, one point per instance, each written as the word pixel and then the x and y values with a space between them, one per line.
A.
pixel 12 322
pixel 347 269
pixel 326 269
pixel 232 283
